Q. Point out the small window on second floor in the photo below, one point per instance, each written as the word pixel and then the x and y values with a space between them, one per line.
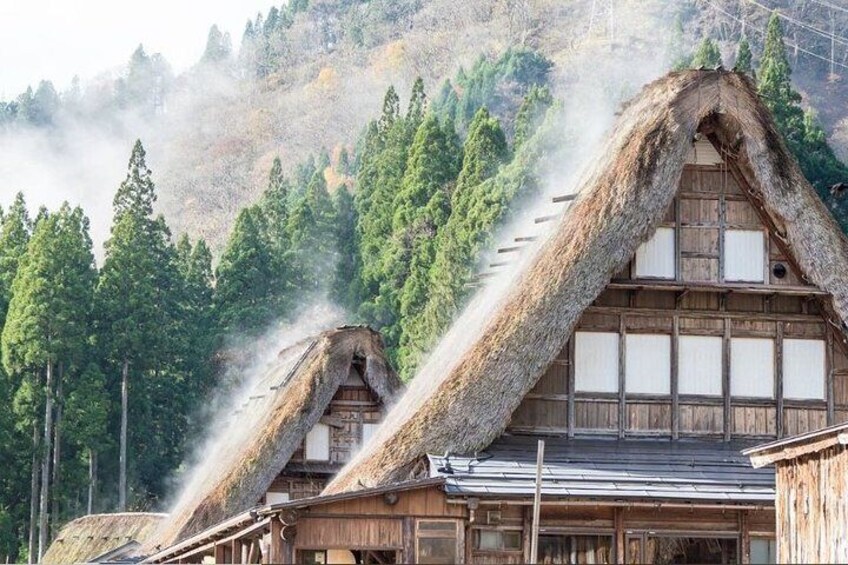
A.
pixel 368 432
pixel 744 256
pixel 655 257
pixel 699 365
pixel 318 443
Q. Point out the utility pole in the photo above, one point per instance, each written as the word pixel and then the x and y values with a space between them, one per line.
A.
pixel 537 504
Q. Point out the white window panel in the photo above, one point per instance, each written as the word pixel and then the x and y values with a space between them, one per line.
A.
pixel 699 365
pixel 647 364
pixel 803 369
pixel 655 257
pixel 596 361
pixel 368 431
pixel 744 255
pixel 276 497
pixel 752 367
pixel 318 443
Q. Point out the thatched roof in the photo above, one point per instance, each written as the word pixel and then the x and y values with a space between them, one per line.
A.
pixel 88 537
pixel 621 200
pixel 279 410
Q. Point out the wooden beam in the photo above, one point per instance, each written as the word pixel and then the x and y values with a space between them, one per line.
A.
pixel 725 380
pixel 778 369
pixel 831 409
pixel 730 287
pixel 408 540
pixel 675 397
pixel 572 418
pixel 622 402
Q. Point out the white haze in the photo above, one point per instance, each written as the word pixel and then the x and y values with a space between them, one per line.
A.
pixel 595 82
pixel 233 413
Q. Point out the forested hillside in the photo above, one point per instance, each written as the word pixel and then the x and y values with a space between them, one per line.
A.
pixel 372 176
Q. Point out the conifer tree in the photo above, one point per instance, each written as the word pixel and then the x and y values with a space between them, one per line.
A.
pixel 134 314
pixel 707 55
pixel 245 298
pixel 532 112
pixel 421 207
pixel 14 236
pixel 345 290
pixel 475 206
pixel 47 322
pixel 311 230
pixel 744 57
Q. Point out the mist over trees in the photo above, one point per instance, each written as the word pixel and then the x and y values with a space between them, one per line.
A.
pixel 103 365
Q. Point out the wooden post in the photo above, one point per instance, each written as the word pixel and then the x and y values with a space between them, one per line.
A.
pixel 236 551
pixel 220 553
pixel 831 408
pixel 744 538
pixel 778 369
pixel 537 503
pixel 675 399
pixel 408 540
pixel 526 535
pixel 275 551
pixel 622 356
pixel 725 380
pixel 620 546
pixel 571 392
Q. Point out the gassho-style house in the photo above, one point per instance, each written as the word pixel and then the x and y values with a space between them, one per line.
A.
pixel 690 304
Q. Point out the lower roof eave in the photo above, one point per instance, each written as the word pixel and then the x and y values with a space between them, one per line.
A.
pixel 752 503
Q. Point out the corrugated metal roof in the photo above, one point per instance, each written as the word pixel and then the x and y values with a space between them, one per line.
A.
pixel 696 470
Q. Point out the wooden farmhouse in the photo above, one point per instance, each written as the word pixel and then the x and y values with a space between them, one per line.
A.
pixel 812 494
pixel 689 304
pixel 297 425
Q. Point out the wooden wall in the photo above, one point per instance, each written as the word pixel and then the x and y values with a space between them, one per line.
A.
pixel 812 507
pixel 698 303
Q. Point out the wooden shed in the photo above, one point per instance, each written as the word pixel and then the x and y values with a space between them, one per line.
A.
pixel 811 502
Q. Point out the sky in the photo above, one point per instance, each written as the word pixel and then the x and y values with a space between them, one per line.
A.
pixel 57 39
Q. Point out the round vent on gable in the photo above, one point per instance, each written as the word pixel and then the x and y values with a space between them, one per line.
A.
pixel 779 270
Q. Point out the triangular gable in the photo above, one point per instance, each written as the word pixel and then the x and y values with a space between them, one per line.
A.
pixel 467 404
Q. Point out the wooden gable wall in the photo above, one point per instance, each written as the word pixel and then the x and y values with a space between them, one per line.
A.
pixel 696 299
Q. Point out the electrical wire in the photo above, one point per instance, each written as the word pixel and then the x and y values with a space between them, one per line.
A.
pixel 799 23
pixel 762 32
pixel 831 6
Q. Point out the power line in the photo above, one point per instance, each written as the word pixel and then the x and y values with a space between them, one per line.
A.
pixel 823 33
pixel 762 32
pixel 831 6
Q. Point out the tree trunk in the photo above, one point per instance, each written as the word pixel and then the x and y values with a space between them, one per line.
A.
pixel 92 479
pixel 33 497
pixel 43 518
pixel 57 449
pixel 122 476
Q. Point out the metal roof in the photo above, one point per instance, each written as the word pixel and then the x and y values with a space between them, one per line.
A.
pixel 629 469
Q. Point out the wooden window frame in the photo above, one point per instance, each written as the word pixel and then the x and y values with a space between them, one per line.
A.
pixel 475 537
pixel 457 537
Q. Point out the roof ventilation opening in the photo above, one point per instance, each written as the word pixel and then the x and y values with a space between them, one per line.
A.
pixel 779 270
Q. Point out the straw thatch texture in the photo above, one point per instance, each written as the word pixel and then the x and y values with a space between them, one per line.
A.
pixel 258 442
pixel 622 199
pixel 85 538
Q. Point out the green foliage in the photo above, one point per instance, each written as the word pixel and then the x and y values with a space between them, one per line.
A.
pixel 677 56
pixel 531 112
pixel 245 295
pixel 707 55
pixel 311 230
pixel 218 46
pixel 14 236
pixel 499 86
pixel 345 290
pixel 802 132
pixel 475 207
pixel 744 57
pixel 48 315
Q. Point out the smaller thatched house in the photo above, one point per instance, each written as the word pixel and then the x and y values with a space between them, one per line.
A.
pixel 289 432
pixel 811 499
pixel 102 537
